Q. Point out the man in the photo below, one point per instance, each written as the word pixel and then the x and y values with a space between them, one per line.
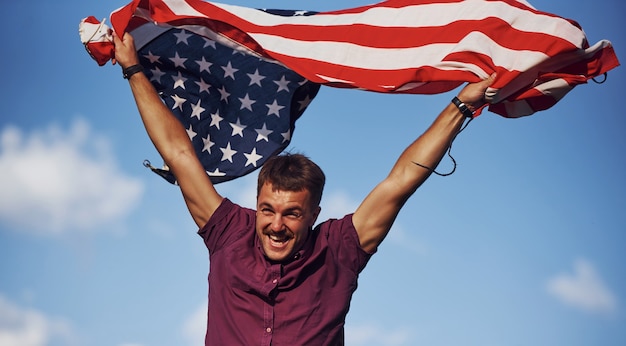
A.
pixel 274 280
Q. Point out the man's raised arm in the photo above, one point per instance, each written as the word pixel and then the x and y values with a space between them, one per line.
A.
pixel 169 137
pixel 374 217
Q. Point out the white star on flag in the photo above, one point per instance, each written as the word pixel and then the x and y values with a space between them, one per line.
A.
pixel 253 158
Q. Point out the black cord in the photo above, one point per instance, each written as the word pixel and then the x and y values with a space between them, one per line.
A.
pixel 449 153
pixel 602 81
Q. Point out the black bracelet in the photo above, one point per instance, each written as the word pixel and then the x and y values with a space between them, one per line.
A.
pixel 463 108
pixel 131 70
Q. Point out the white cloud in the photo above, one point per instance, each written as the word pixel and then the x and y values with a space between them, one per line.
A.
pixel 54 180
pixel 336 204
pixel 584 289
pixel 375 335
pixel 400 237
pixel 194 328
pixel 28 327
pixel 246 191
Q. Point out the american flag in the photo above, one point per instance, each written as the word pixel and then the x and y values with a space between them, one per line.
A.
pixel 396 46
pixel 409 46
pixel 239 109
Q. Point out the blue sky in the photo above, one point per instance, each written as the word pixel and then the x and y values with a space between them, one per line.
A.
pixel 524 245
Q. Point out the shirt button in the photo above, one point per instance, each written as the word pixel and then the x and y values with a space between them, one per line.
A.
pixel 274 281
pixel 268 329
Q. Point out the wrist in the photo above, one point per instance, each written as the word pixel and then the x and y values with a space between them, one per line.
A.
pixel 127 72
pixel 463 108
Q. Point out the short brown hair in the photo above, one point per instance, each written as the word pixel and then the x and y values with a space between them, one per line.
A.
pixel 293 172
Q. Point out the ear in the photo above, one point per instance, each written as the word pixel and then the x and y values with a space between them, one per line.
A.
pixel 315 215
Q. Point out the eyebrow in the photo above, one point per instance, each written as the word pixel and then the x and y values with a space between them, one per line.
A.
pixel 289 209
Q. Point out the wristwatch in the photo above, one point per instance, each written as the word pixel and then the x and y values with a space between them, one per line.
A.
pixel 463 108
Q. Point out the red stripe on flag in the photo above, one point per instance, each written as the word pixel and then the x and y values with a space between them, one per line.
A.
pixel 415 47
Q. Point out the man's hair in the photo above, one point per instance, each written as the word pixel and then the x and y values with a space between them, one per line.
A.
pixel 293 172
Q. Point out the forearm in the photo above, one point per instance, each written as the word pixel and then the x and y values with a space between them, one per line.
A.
pixel 169 137
pixel 376 214
pixel 410 171
pixel 427 150
pixel 165 131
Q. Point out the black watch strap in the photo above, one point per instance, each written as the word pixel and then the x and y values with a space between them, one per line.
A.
pixel 462 107
pixel 131 70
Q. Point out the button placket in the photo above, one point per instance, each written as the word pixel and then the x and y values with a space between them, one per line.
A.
pixel 271 286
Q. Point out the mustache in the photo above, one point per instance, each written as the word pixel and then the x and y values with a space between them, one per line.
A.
pixel 285 232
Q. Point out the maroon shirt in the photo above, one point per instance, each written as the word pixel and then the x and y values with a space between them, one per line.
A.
pixel 303 301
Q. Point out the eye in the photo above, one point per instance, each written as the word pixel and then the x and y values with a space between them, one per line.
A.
pixel 267 211
pixel 293 215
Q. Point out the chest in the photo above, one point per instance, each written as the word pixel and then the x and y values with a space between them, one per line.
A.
pixel 308 275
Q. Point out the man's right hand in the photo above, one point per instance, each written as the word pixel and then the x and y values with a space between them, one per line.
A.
pixel 473 94
pixel 125 51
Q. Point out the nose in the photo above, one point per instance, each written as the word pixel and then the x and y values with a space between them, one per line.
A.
pixel 277 223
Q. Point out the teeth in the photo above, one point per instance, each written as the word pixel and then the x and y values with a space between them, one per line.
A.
pixel 278 239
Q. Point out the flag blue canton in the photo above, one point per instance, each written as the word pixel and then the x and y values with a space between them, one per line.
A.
pixel 238 109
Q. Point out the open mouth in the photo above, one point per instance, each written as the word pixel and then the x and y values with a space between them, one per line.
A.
pixel 279 240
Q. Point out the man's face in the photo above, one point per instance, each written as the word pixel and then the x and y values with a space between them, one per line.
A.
pixel 283 221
